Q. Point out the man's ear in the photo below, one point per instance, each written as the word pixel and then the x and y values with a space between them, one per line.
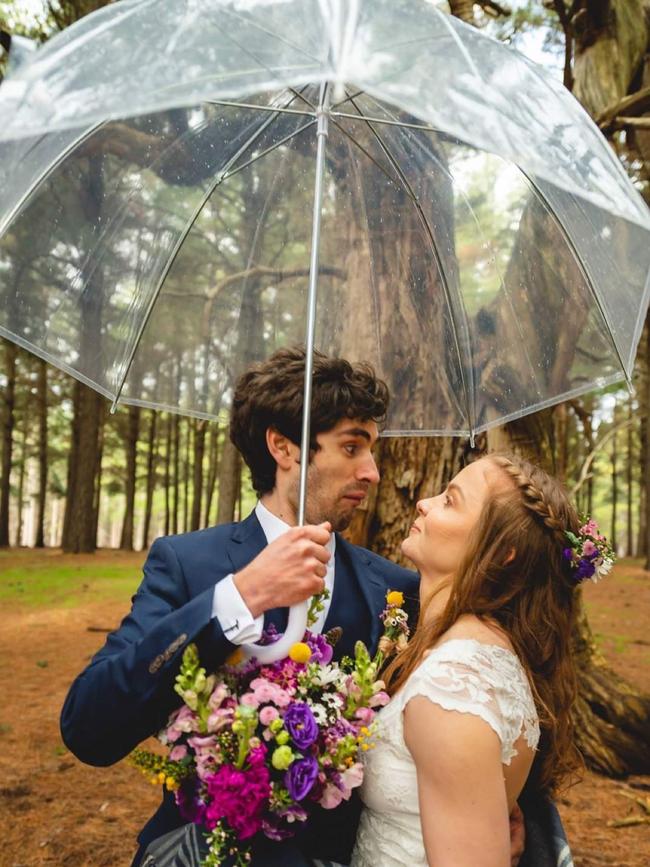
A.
pixel 281 449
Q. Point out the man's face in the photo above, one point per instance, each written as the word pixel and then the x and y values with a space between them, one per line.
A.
pixel 340 473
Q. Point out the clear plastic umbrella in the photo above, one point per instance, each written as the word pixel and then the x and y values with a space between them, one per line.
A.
pixel 177 179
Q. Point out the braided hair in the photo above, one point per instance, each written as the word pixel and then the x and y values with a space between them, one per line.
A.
pixel 514 576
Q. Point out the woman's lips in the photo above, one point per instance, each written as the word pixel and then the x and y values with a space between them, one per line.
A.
pixel 414 529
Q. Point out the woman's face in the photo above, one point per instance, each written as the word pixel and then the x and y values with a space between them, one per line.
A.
pixel 439 536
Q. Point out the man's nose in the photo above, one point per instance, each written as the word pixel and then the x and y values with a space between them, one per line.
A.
pixel 368 471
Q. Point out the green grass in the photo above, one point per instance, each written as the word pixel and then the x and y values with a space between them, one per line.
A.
pixel 46 584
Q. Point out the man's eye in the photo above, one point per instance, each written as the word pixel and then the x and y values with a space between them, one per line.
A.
pixel 351 448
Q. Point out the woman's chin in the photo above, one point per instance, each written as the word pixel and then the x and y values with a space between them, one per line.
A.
pixel 407 549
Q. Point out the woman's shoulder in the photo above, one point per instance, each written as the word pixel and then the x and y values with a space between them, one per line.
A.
pixel 471 628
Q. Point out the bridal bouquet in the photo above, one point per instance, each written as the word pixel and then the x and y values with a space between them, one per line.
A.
pixel 254 747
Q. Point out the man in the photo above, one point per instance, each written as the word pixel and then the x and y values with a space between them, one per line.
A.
pixel 217 587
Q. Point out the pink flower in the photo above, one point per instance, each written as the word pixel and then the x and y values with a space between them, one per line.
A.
pixel 352 777
pixel 268 714
pixel 589 548
pixel 178 753
pixel 331 797
pixel 365 715
pixel 239 797
pixel 590 528
pixel 379 699
pixel 219 693
pixel 221 717
pixel 183 721
pixel 250 699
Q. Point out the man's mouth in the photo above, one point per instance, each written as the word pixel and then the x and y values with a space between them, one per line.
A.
pixel 356 497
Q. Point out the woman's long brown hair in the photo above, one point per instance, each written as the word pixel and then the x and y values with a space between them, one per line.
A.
pixel 531 596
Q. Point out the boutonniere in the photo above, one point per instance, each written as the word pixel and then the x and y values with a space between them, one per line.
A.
pixel 396 629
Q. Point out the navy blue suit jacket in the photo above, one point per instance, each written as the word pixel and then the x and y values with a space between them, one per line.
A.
pixel 126 692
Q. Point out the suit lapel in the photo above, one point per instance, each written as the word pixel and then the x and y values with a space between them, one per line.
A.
pixel 356 576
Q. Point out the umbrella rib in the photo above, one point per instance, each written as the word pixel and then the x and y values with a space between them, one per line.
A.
pixel 268 108
pixel 422 126
pixel 443 277
pixel 47 172
pixel 583 270
pixel 268 33
pixel 268 150
pixel 179 243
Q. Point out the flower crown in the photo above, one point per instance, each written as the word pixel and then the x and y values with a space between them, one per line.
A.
pixel 589 553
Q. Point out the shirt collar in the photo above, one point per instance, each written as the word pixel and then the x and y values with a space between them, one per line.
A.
pixel 274 527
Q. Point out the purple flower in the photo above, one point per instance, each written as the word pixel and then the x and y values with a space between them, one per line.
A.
pixel 321 650
pixel 300 723
pixel 239 797
pixel 300 777
pixel 585 569
pixel 568 553
pixel 189 803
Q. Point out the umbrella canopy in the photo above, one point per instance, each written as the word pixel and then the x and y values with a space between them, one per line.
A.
pixel 480 243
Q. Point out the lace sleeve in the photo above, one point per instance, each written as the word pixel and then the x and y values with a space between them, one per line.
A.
pixel 488 682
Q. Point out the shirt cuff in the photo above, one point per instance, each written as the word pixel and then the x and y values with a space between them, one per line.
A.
pixel 236 622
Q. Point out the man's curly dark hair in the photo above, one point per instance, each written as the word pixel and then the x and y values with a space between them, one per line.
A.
pixel 270 395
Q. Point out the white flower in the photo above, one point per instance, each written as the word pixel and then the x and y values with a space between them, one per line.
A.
pixel 326 675
pixel 334 700
pixel 320 713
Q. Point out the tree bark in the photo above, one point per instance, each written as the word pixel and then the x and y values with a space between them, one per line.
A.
pixel 646 463
pixel 152 458
pixel 228 482
pixel 176 441
pixel 131 433
pixel 186 477
pixel 199 452
pixel 79 530
pixel 168 475
pixel 22 468
pixel 629 547
pixel 8 422
pixel 213 469
pixel 39 541
pixel 614 529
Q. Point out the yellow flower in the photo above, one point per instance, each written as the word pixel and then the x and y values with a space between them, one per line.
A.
pixel 300 652
pixel 171 784
pixel 161 777
pixel 394 597
pixel 235 657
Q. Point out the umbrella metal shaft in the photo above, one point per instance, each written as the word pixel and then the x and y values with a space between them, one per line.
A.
pixel 322 132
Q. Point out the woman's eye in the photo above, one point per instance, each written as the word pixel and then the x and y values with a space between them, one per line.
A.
pixel 447 500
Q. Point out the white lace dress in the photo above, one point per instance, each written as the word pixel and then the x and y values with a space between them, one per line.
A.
pixel 462 675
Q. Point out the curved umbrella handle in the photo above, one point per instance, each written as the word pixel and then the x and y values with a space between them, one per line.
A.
pixel 294 632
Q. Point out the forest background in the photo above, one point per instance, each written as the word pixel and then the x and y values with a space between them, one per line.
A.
pixel 76 478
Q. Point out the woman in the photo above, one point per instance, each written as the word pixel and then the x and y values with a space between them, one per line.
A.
pixel 482 694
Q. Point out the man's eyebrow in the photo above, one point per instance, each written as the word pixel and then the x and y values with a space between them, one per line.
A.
pixel 452 486
pixel 356 432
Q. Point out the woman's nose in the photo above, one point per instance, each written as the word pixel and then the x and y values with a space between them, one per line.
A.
pixel 423 506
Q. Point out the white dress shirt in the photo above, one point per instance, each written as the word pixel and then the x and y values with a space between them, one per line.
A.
pixel 236 621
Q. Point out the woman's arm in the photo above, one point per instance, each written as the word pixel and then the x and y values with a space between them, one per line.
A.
pixel 463 804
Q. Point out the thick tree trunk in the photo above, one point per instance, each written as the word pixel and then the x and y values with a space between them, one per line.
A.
pixel 79 528
pixel 199 452
pixel 39 541
pixel 98 470
pixel 151 477
pixel 228 482
pixel 8 421
pixel 186 477
pixel 131 434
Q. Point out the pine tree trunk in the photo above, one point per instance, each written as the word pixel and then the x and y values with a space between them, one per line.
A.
pixel 228 482
pixel 199 452
pixel 168 475
pixel 131 453
pixel 22 467
pixel 151 477
pixel 186 477
pixel 42 454
pixel 614 529
pixel 80 528
pixel 213 469
pixel 8 421
pixel 98 468
pixel 629 547
pixel 176 474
